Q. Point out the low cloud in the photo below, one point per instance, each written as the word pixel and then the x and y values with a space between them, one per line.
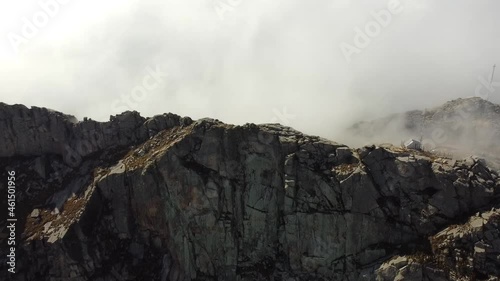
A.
pixel 242 61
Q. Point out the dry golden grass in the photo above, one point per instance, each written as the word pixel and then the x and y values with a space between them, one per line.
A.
pixel 158 144
pixel 70 212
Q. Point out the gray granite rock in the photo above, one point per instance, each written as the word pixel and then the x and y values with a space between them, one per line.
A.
pixel 166 198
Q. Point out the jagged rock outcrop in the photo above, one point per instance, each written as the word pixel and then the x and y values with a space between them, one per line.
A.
pixel 39 131
pixel 205 200
pixel 468 251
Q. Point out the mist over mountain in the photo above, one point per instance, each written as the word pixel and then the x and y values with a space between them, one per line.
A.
pixel 233 140
pixel 251 61
pixel 460 127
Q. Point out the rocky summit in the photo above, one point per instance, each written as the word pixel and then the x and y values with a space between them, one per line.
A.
pixel 169 198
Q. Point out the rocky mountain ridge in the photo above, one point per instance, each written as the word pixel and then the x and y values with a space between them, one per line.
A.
pixel 169 198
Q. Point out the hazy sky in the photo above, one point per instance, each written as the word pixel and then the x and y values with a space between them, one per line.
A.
pixel 247 61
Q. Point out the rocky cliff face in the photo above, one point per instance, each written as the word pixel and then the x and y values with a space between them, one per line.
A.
pixel 166 198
